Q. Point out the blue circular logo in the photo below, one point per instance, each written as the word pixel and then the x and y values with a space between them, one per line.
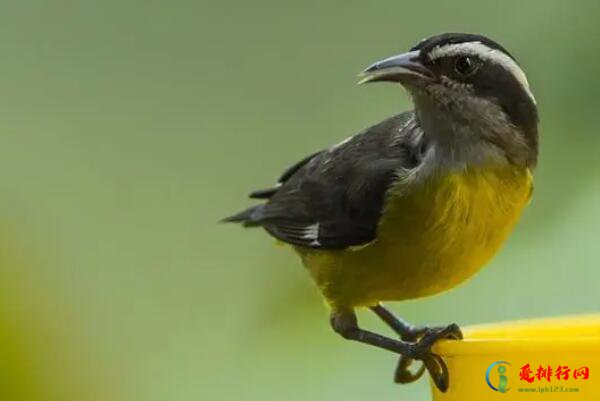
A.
pixel 503 379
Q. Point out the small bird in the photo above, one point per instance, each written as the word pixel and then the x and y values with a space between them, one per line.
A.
pixel 418 203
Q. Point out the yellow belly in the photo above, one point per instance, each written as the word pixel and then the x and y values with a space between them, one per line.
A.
pixel 428 241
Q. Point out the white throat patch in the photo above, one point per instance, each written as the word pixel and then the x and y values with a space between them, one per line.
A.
pixel 485 53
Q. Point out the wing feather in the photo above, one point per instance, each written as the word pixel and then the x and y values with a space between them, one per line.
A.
pixel 333 199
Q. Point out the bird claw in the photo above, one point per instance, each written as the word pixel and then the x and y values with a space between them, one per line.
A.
pixel 431 335
pixel 403 374
pixel 438 370
pixel 423 339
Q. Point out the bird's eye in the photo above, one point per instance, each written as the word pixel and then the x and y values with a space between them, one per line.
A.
pixel 465 65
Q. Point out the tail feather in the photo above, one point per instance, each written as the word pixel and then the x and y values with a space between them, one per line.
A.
pixel 248 218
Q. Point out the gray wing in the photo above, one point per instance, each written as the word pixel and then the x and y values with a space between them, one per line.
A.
pixel 333 199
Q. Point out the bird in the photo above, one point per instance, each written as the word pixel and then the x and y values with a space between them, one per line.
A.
pixel 418 203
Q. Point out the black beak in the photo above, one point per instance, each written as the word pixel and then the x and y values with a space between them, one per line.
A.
pixel 404 68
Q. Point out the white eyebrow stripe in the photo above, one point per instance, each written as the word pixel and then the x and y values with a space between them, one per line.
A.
pixel 486 53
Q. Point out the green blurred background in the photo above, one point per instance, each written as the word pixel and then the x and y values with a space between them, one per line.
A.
pixel 128 128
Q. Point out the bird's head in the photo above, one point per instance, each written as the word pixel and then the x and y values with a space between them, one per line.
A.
pixel 467 88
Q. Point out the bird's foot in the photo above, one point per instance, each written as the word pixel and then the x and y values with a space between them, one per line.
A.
pixel 423 339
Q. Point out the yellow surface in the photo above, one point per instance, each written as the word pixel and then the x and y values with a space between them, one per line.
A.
pixel 572 341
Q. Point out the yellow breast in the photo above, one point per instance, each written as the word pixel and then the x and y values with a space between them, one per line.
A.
pixel 429 240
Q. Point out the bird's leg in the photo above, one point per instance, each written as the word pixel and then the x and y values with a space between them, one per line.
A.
pixel 413 334
pixel 344 322
pixel 407 332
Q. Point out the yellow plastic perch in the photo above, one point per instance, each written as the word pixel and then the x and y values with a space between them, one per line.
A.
pixel 545 359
